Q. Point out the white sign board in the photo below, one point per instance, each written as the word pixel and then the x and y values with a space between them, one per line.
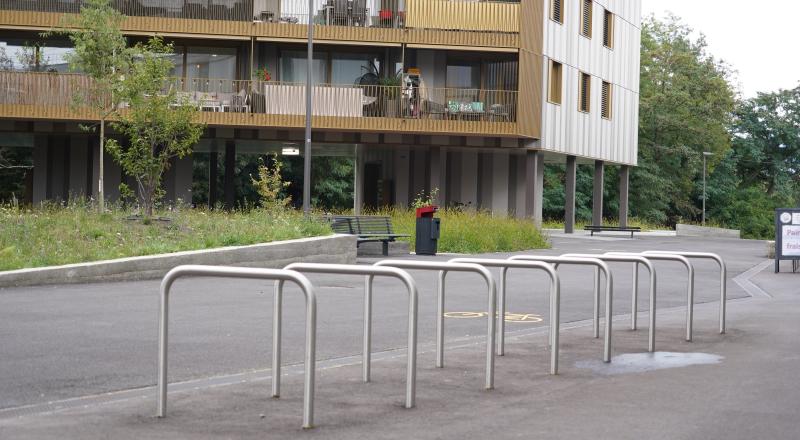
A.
pixel 796 218
pixel 790 241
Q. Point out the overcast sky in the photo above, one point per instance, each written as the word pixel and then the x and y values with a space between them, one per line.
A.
pixel 756 38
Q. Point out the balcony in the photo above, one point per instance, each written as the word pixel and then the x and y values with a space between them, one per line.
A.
pixel 268 104
pixel 487 23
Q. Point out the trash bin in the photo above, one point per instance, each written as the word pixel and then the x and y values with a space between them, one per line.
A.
pixel 427 239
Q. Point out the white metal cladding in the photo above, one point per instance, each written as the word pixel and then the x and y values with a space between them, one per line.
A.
pixel 564 128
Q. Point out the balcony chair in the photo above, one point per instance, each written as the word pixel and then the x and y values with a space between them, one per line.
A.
pixel 359 13
pixel 435 110
pixel 341 16
pixel 499 112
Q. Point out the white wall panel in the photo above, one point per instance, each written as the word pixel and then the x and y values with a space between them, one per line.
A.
pixel 564 128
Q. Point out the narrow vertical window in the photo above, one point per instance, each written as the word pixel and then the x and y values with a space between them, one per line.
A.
pixel 606 100
pixel 608 29
pixel 556 11
pixel 554 94
pixel 585 92
pixel 586 18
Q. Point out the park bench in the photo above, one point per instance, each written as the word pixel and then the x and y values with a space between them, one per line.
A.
pixel 368 228
pixel 630 229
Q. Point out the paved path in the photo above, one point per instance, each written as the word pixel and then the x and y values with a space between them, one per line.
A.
pixel 83 340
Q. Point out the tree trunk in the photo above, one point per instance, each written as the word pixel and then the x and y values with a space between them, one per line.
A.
pixel 101 196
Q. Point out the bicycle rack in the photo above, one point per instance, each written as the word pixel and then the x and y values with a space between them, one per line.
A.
pixel 723 273
pixel 651 346
pixel 343 269
pixel 689 290
pixel 599 264
pixel 555 300
pixel 249 273
pixel 443 269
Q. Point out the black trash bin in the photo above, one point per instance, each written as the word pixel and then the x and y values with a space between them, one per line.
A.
pixel 427 239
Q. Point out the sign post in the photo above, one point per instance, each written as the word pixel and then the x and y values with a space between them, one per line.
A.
pixel 787 237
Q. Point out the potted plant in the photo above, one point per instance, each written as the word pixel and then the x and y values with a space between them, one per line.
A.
pixel 390 93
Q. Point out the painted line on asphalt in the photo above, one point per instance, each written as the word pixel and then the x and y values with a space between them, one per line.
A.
pixel 743 280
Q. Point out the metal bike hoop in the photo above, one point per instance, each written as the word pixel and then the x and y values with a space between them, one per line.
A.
pixel 444 269
pixel 345 269
pixel 247 273
pixel 555 300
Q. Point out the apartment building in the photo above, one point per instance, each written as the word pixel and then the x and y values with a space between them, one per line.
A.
pixel 488 92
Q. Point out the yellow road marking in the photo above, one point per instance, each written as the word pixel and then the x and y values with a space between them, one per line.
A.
pixel 510 317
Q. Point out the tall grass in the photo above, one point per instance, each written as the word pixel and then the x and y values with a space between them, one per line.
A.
pixel 633 221
pixel 472 232
pixel 61 235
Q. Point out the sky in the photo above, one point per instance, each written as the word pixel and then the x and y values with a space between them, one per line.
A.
pixel 757 38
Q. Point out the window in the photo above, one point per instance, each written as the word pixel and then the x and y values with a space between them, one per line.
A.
pixel 556 12
pixel 585 92
pixel 608 29
pixel 554 94
pixel 586 18
pixel 211 62
pixel 463 80
pixel 605 101
pixel 348 68
pixel 293 67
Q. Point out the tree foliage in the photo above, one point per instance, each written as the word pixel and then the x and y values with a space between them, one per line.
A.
pixel 158 125
pixel 270 185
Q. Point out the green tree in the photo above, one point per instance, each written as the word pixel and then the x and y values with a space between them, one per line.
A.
pixel 100 52
pixel 158 126
pixel 270 186
pixel 686 107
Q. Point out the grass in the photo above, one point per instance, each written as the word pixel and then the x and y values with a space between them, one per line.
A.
pixel 473 232
pixel 579 224
pixel 63 235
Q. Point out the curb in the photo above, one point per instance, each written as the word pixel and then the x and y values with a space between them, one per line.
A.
pixel 339 249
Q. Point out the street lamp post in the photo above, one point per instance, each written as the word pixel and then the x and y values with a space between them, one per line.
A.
pixel 309 81
pixel 705 155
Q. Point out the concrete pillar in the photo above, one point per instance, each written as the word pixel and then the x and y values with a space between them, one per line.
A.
pixel 569 195
pixel 79 161
pixel 419 171
pixel 358 180
pixel 485 180
pixel 438 173
pixel 213 158
pixel 39 169
pixel 597 197
pixel 401 173
pixel 230 169
pixel 624 181
pixel 499 183
pixel 183 180
pixel 534 180
pixel 469 179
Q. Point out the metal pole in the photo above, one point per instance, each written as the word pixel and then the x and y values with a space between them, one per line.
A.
pixel 704 189
pixel 309 84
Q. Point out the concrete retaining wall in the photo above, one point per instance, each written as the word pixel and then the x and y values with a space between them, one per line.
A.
pixel 331 249
pixel 705 231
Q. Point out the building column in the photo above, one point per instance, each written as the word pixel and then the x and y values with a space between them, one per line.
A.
pixel 499 183
pixel 569 195
pixel 213 158
pixel 230 169
pixel 40 177
pixel 534 186
pixel 438 173
pixel 402 163
pixel 597 197
pixel 624 180
pixel 358 180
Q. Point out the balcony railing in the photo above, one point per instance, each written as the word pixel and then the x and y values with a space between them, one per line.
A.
pixel 276 98
pixel 464 15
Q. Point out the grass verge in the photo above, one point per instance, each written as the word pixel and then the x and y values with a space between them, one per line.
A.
pixel 63 235
pixel 580 224
pixel 473 232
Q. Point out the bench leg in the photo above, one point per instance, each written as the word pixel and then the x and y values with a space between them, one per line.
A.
pixel 385 248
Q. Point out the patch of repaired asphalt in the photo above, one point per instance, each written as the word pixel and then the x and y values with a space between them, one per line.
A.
pixel 641 362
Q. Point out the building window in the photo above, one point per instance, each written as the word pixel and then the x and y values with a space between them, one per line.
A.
pixel 554 94
pixel 556 11
pixel 586 18
pixel 584 93
pixel 608 29
pixel 605 100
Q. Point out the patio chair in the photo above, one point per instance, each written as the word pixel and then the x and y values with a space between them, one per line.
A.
pixel 435 110
pixel 498 112
pixel 360 13
pixel 240 102
pixel 341 16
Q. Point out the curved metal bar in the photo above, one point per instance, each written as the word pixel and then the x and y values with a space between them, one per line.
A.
pixel 651 345
pixel 370 272
pixel 555 300
pixel 602 266
pixel 723 278
pixel 443 269
pixel 689 290
pixel 248 273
